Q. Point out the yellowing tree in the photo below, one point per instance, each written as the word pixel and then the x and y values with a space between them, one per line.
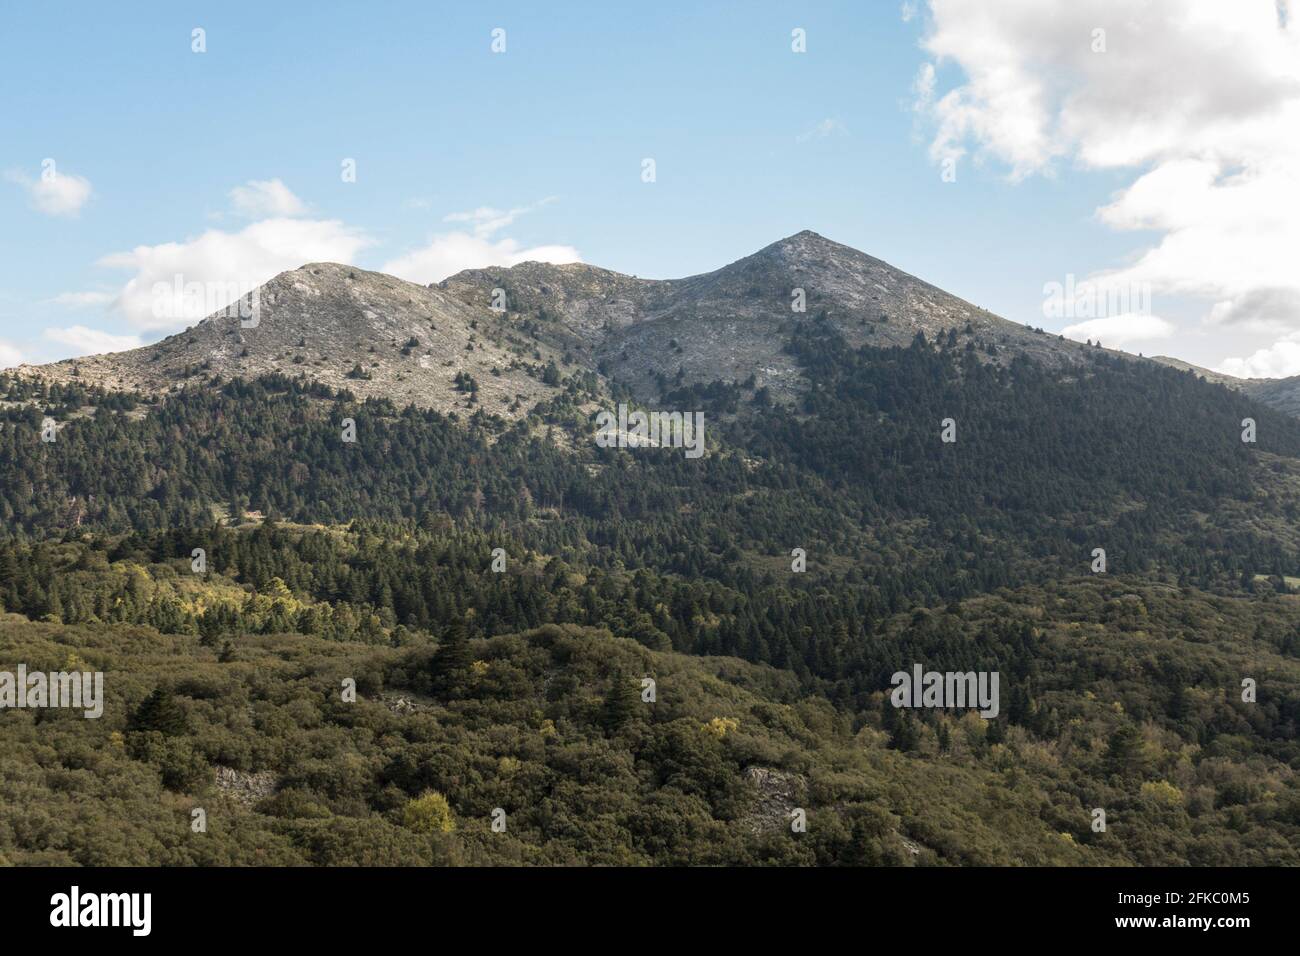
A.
pixel 276 588
pixel 721 726
pixel 1164 792
pixel 429 813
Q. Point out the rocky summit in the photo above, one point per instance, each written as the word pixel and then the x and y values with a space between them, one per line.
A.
pixel 484 338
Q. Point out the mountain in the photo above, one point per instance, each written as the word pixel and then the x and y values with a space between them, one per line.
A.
pixel 1280 393
pixel 484 339
pixel 416 344
pixel 835 408
pixel 370 333
pixel 235 541
pixel 732 323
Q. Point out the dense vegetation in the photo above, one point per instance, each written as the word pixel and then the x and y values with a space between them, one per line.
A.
pixel 520 688
pixel 1132 712
pixel 1146 462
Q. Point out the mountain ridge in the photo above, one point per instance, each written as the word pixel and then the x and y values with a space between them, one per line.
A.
pixel 1280 393
pixel 722 324
pixel 503 340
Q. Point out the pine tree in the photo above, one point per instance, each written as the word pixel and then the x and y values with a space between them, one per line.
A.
pixel 621 703
pixel 906 735
pixel 1123 750
pixel 162 713
pixel 453 658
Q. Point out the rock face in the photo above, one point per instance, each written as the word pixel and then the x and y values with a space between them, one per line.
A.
pixel 777 793
pixel 243 787
pixel 404 704
pixel 731 323
pixel 325 320
pixel 377 335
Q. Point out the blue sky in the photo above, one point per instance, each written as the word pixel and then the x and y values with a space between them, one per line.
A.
pixel 751 142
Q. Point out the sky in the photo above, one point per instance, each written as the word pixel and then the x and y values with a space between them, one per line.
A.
pixel 1121 171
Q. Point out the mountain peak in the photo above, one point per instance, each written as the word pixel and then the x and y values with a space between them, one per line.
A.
pixel 370 333
pixel 500 328
pixel 805 242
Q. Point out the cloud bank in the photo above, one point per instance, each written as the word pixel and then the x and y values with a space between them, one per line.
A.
pixel 1199 100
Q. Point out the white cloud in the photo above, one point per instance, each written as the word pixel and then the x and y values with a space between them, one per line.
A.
pixel 88 341
pixel 53 193
pixel 9 355
pixel 1199 99
pixel 1263 309
pixel 452 252
pixel 923 86
pixel 226 264
pixel 266 198
pixel 1279 360
pixel 1119 331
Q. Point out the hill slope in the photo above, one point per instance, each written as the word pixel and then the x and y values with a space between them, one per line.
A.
pixel 1131 716
pixel 732 323
pixel 1280 393
pixel 324 320
pixel 414 344
pixel 1121 687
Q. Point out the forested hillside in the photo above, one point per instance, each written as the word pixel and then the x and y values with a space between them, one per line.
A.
pixel 1132 708
pixel 1046 465
pixel 499 590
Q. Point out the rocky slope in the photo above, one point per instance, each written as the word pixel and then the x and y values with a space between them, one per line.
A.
pixel 371 333
pixel 731 323
pixel 1280 393
pixel 381 336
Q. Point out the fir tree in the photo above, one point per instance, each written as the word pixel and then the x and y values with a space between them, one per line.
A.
pixel 452 659
pixel 162 713
pixel 621 703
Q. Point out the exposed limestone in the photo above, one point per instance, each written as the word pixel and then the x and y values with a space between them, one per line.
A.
pixel 376 335
pixel 777 794
pixel 244 787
